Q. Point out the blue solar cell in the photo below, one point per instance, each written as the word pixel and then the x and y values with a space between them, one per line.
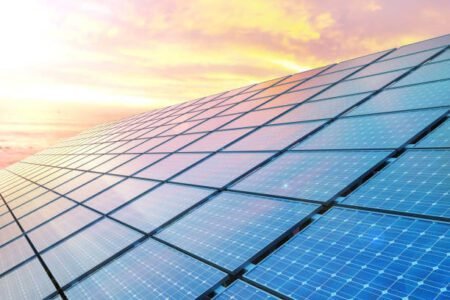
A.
pixel 120 194
pixel 62 226
pixel 317 110
pixel 149 271
pixel 440 137
pixel 360 85
pixel 232 228
pixel 275 137
pixel 428 95
pixel 160 205
pixel 177 142
pixel 242 290
pixel 350 254
pixel 26 282
pixel 381 131
pixel 221 168
pixel 87 249
pixel 428 72
pixel 14 253
pixel 418 182
pixel 310 175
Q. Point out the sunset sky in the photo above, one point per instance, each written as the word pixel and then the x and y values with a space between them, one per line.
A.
pixel 67 65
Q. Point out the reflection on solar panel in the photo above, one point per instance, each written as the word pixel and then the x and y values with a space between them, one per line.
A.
pixel 330 183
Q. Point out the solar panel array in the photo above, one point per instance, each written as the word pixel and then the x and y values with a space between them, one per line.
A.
pixel 331 183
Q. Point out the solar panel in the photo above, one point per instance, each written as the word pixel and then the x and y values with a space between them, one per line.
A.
pixel 242 290
pixel 440 137
pixel 231 228
pixel 418 182
pixel 80 253
pixel 159 206
pixel 317 176
pixel 170 166
pixel 428 95
pixel 321 109
pixel 13 253
pixel 329 183
pixel 150 270
pixel 119 194
pixel 362 255
pixel 426 73
pixel 275 137
pixel 26 282
pixel 220 169
pixel 381 131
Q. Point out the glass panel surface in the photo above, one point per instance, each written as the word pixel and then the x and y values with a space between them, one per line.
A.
pixel 384 131
pixel 219 169
pixel 157 207
pixel 440 137
pixel 418 182
pixel 360 255
pixel 231 228
pixel 275 137
pixel 87 249
pixel 119 194
pixel 149 271
pixel 242 290
pixel 310 175
pixel 170 166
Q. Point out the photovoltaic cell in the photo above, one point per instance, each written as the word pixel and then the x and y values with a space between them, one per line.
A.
pixel 60 227
pixel 220 169
pixel 26 282
pixel 440 137
pixel 383 131
pixel 310 175
pixel 275 137
pixel 157 207
pixel 418 182
pixel 119 194
pixel 317 110
pixel 9 232
pixel 350 254
pixel 256 118
pixel 149 271
pixel 231 228
pixel 87 249
pixel 137 164
pixel 170 166
pixel 242 290
pixel 360 85
pixel 13 253
pixel 93 187
pixel 427 72
pixel 428 95
pixel 216 140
